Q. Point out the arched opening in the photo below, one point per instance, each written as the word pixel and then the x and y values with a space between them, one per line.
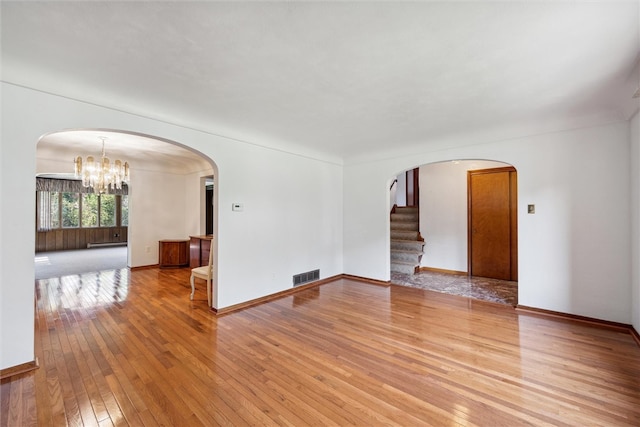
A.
pixel 444 220
pixel 166 199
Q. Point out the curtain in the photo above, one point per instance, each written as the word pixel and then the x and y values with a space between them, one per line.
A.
pixel 44 213
pixel 70 186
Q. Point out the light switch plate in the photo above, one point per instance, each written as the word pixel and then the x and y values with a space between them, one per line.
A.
pixel 237 207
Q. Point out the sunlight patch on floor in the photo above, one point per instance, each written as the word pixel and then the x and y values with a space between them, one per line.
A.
pixel 42 260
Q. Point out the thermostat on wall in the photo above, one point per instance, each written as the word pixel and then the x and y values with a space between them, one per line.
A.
pixel 237 207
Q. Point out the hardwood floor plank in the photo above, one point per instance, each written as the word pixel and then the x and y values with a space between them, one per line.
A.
pixel 15 405
pixel 129 348
pixel 5 395
pixel 103 402
pixel 48 399
pixel 126 413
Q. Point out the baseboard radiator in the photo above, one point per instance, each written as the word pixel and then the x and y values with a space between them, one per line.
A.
pixel 105 245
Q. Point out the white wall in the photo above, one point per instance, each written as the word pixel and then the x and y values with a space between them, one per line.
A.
pixel 573 253
pixel 292 220
pixel 44 165
pixel 443 212
pixel 393 193
pixel 401 189
pixel 634 137
pixel 157 210
pixel 194 192
pixel 17 239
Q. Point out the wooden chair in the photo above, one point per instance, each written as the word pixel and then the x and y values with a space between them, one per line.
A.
pixel 205 272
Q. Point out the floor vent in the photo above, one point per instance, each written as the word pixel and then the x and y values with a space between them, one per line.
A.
pixel 309 276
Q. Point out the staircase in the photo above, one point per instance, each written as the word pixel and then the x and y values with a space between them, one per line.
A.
pixel 406 243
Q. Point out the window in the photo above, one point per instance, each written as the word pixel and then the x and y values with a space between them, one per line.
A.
pixel 55 209
pixel 90 211
pixel 107 210
pixel 86 210
pixel 70 210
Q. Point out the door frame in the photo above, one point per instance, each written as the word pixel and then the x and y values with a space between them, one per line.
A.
pixel 513 217
pixel 412 187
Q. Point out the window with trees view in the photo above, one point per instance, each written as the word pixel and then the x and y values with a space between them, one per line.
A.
pixel 86 210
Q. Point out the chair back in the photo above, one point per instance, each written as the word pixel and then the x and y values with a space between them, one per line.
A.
pixel 210 269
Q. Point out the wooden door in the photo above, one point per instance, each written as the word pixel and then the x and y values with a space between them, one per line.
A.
pixel 493 226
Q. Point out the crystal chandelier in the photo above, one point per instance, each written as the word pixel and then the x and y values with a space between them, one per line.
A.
pixel 101 175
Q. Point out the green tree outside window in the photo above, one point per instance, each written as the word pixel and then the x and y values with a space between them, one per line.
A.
pixel 107 210
pixel 70 210
pixel 87 210
pixel 54 209
pixel 90 210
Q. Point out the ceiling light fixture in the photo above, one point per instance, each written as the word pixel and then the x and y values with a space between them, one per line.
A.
pixel 101 175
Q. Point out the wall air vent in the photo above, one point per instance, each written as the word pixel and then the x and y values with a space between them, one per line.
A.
pixel 302 278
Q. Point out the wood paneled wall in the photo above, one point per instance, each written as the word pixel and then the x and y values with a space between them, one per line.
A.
pixel 78 238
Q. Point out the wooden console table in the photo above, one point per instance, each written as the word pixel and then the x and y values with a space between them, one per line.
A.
pixel 199 248
pixel 174 253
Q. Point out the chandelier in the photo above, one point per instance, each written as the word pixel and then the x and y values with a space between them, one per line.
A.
pixel 101 175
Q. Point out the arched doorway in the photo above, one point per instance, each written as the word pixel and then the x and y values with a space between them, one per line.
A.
pixel 166 198
pixel 444 224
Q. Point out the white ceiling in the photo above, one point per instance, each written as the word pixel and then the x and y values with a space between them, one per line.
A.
pixel 140 151
pixel 334 79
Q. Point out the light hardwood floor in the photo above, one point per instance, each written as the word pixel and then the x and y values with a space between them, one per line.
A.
pixel 129 348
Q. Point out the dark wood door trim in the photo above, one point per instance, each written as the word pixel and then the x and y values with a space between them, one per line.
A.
pixel 412 187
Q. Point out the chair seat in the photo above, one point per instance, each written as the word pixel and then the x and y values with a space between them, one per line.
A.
pixel 201 271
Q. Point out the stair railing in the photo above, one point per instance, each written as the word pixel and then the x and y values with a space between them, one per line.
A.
pixel 392 195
